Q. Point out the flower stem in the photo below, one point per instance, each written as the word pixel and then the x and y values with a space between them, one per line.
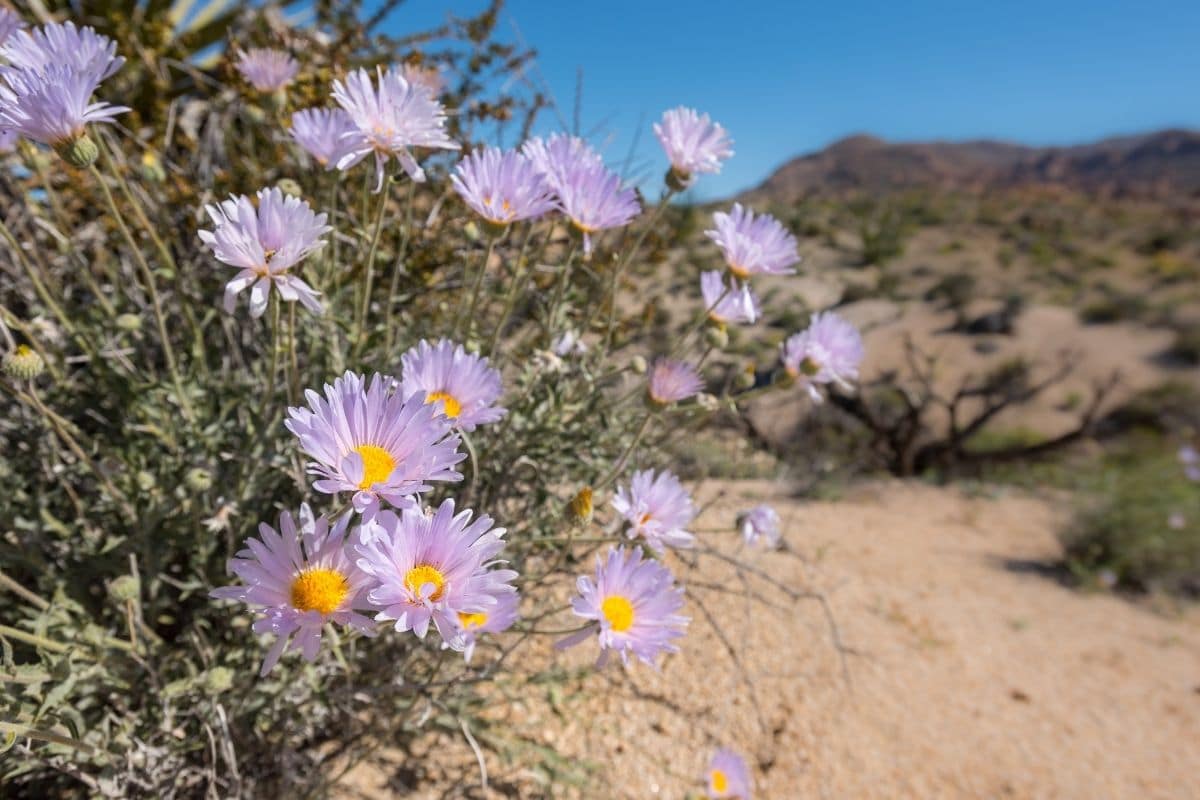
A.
pixel 620 465
pixel 475 287
pixel 623 263
pixel 360 332
pixel 514 291
pixel 405 236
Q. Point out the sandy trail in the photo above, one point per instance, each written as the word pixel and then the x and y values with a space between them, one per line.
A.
pixel 977 673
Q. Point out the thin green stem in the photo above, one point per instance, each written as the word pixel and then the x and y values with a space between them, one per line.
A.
pixel 401 254
pixel 620 465
pixel 620 269
pixel 360 331
pixel 469 316
pixel 514 291
pixel 42 292
pixel 33 639
pixel 560 291
pixel 269 396
pixel 49 737
pixel 19 590
pixel 293 362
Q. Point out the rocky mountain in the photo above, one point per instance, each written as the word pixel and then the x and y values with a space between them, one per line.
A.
pixel 1160 165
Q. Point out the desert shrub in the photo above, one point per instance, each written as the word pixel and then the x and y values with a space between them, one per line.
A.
pixel 1138 526
pixel 478 342
pixel 955 289
pixel 1185 349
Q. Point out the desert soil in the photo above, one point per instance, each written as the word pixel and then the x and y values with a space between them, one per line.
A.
pixel 972 671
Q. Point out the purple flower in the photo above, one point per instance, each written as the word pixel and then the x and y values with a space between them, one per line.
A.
pixel 51 105
pixel 80 50
pixel 672 381
pixel 633 602
pixel 299 579
pixel 462 383
pixel 753 245
pixel 591 197
pixel 8 140
pixel 322 132
pixel 693 142
pixel 559 156
pixel 10 23
pixel 657 508
pixel 429 78
pixel 429 568
pixel 569 343
pixel 502 186
pixel 496 619
pixel 734 303
pixel 374 442
pixel 760 523
pixel 728 776
pixel 389 120
pixel 1190 459
pixel 265 243
pixel 830 350
pixel 267 70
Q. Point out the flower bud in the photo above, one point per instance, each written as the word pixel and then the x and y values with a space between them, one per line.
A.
pixel 289 186
pixel 123 588
pixel 78 152
pixel 145 480
pixel 129 322
pixel 579 510
pixel 717 336
pixel 638 364
pixel 198 479
pixel 745 378
pixel 471 231
pixel 677 180
pixel 218 680
pixel 152 167
pixel 24 363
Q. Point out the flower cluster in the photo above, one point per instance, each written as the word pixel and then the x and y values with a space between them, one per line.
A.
pixel 47 85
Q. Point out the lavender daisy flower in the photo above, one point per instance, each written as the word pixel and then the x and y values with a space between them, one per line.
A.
pixel 760 523
pixel 428 568
pixel 52 106
pixel 559 156
pixel 80 50
pixel 728 776
pixel 1190 459
pixel 734 303
pixel 753 245
pixel 429 78
pixel 265 243
pixel 299 579
pixel 657 508
pixel 266 69
pixel 502 186
pixel 828 351
pixel 10 23
pixel 569 343
pixel 591 197
pixel 462 383
pixel 672 381
pixel 374 442
pixel 693 143
pixel 633 602
pixel 389 120
pixel 321 132
pixel 498 618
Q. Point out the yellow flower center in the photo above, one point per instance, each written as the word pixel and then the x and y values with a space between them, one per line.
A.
pixel 475 619
pixel 24 350
pixel 422 574
pixel 739 271
pixel 450 406
pixel 645 518
pixel 809 367
pixel 720 783
pixel 377 464
pixel 618 611
pixel 319 589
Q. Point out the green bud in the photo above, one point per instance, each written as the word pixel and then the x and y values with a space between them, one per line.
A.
pixel 198 479
pixel 125 587
pixel 495 229
pixel 218 680
pixel 289 186
pixel 78 152
pixel 152 167
pixel 471 231
pixel 24 363
pixel 677 180
pixel 717 336
pixel 145 480
pixel 638 364
pixel 129 322
pixel 745 378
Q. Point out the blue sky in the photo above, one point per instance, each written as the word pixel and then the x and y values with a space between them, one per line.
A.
pixel 787 78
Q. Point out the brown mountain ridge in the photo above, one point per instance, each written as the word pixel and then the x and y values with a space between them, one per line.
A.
pixel 1160 165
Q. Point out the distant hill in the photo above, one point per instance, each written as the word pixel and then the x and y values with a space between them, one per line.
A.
pixel 1160 165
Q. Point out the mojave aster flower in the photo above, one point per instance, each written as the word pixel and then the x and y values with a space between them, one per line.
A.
pixel 53 106
pixel 559 156
pixel 389 120
pixel 495 618
pixel 693 143
pixel 264 243
pixel 267 69
pixel 462 384
pixel 299 578
pixel 634 602
pixel 728 777
pixel 753 244
pixel 726 304
pixel 657 508
pixel 429 567
pixel 502 186
pixel 375 442
pixel 591 197
pixel 760 523
pixel 830 350
pixel 10 23
pixel 672 381
pixel 63 44
pixel 427 77
pixel 321 132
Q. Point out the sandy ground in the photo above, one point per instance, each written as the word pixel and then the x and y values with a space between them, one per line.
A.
pixel 974 671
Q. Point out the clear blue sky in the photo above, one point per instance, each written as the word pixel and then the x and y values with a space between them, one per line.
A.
pixel 787 78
